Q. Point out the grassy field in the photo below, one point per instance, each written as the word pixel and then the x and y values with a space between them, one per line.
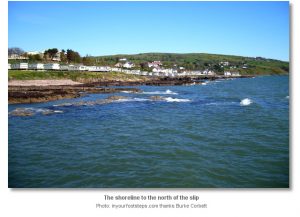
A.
pixel 75 76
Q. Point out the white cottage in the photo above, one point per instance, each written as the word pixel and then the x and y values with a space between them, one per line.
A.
pixel 128 65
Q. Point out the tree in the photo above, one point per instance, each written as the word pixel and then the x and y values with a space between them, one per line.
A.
pixel 63 56
pixel 73 56
pixel 35 57
pixel 50 53
pixel 87 60
pixel 15 50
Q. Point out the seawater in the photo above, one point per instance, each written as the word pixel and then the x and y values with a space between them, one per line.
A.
pixel 225 134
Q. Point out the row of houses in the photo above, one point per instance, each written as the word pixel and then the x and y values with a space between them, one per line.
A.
pixel 57 66
pixel 154 72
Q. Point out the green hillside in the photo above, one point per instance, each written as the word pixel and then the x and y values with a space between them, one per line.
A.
pixel 201 61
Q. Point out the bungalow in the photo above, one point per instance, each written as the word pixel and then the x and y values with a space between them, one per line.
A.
pixel 51 66
pixel 20 66
pixel 36 66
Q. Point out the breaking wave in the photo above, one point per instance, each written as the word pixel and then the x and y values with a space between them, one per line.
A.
pixel 167 92
pixel 170 99
pixel 246 102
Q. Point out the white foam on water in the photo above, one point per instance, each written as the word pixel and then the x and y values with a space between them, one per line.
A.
pixel 246 102
pixel 126 91
pixel 58 111
pixel 170 99
pixel 167 92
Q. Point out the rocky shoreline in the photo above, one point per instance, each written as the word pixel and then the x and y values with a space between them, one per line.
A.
pixel 43 93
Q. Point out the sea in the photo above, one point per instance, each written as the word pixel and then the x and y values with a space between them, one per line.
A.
pixel 231 133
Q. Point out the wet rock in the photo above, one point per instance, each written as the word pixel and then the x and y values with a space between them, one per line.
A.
pixel 21 112
pixel 112 98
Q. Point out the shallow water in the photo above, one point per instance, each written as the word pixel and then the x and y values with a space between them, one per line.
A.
pixel 229 133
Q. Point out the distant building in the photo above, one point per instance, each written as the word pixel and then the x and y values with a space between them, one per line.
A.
pixel 128 65
pixel 154 64
pixel 16 57
pixel 235 74
pixel 123 60
pixel 9 66
pixel 227 73
pixel 224 63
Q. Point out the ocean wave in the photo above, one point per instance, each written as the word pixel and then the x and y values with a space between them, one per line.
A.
pixel 221 103
pixel 127 91
pixel 170 99
pixel 167 92
pixel 246 102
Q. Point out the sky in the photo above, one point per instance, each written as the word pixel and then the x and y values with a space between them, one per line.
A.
pixel 106 28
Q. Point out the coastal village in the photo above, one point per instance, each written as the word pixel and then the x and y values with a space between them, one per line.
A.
pixel 155 68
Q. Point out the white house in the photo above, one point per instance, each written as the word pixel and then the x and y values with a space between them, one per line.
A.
pixel 9 66
pixel 227 73
pixel 155 64
pixel 19 66
pixel 36 66
pixel 128 65
pixel 78 68
pixel 235 74
pixel 51 66
pixel 224 63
